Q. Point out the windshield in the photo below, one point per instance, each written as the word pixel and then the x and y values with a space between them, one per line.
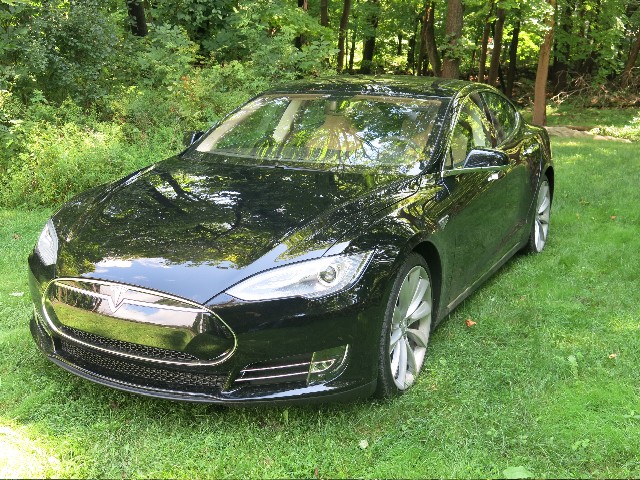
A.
pixel 326 132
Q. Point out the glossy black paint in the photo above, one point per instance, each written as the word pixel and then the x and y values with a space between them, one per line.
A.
pixel 196 224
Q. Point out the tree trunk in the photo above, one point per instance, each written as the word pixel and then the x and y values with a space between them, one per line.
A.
pixel 342 33
pixel 369 44
pixel 411 56
pixel 422 53
pixel 631 61
pixel 137 18
pixel 300 40
pixel 497 46
pixel 430 39
pixel 428 46
pixel 352 52
pixel 539 99
pixel 513 56
pixel 485 43
pixel 399 50
pixel 324 13
pixel 453 30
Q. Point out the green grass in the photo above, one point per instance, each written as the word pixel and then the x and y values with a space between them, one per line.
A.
pixel 547 379
pixel 566 114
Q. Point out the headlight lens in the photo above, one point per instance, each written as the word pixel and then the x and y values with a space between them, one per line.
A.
pixel 310 279
pixel 47 246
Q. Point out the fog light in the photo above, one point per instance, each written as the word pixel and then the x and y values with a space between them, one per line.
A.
pixel 327 365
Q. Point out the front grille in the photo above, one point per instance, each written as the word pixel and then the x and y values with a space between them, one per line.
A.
pixel 136 322
pixel 282 370
pixel 129 348
pixel 137 373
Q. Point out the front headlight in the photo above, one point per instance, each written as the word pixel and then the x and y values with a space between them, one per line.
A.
pixel 47 246
pixel 310 279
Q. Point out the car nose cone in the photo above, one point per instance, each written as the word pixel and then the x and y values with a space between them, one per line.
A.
pixel 137 323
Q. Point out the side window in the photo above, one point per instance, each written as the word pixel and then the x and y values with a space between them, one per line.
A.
pixel 503 116
pixel 471 130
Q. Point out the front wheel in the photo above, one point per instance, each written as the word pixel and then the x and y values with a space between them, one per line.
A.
pixel 540 228
pixel 406 328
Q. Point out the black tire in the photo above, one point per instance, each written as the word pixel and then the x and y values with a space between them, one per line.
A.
pixel 412 293
pixel 539 232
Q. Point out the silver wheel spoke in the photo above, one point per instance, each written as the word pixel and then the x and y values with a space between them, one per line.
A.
pixel 395 360
pixel 422 311
pixel 411 359
pixel 407 290
pixel 541 224
pixel 395 336
pixel 402 365
pixel 421 288
pixel 398 316
pixel 418 336
pixel 544 206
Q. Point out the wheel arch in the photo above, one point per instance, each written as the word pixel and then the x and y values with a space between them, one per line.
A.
pixel 550 176
pixel 430 253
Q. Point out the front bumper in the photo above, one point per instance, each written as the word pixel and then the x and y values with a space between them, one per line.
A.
pixel 275 351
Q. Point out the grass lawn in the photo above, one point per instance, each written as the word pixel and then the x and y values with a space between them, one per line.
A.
pixel 546 383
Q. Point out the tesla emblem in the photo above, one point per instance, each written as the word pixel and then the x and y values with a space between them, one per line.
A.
pixel 117 294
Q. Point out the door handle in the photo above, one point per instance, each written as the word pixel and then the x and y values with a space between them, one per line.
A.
pixel 494 176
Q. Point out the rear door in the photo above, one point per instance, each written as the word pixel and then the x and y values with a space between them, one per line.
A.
pixel 517 179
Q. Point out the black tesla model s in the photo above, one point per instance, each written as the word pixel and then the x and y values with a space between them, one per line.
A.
pixel 302 249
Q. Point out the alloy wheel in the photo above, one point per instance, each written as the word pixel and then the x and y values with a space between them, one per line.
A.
pixel 543 211
pixel 410 327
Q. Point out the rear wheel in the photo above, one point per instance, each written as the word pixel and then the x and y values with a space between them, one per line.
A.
pixel 406 328
pixel 540 228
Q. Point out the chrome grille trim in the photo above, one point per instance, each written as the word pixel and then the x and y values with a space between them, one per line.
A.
pixel 127 347
pixel 275 371
pixel 114 306
pixel 258 369
pixel 195 306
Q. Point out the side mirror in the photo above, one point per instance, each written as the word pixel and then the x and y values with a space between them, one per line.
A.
pixel 481 158
pixel 190 138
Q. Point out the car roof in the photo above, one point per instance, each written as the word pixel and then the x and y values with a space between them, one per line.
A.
pixel 397 85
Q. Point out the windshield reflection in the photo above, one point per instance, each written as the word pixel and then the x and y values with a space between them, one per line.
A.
pixel 331 133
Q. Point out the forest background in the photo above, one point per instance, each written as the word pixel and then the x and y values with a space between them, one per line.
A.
pixel 91 90
pixel 544 384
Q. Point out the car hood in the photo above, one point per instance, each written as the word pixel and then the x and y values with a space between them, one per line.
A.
pixel 194 227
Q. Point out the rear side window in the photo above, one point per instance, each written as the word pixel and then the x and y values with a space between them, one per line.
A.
pixel 503 115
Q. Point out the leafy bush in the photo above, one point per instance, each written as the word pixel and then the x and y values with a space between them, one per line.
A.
pixel 631 131
pixel 164 55
pixel 60 48
pixel 51 152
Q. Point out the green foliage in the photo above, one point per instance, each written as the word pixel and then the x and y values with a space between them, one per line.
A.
pixel 60 48
pixel 51 153
pixel 199 19
pixel 262 34
pixel 164 56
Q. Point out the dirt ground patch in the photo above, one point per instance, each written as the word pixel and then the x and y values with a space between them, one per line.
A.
pixel 573 132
